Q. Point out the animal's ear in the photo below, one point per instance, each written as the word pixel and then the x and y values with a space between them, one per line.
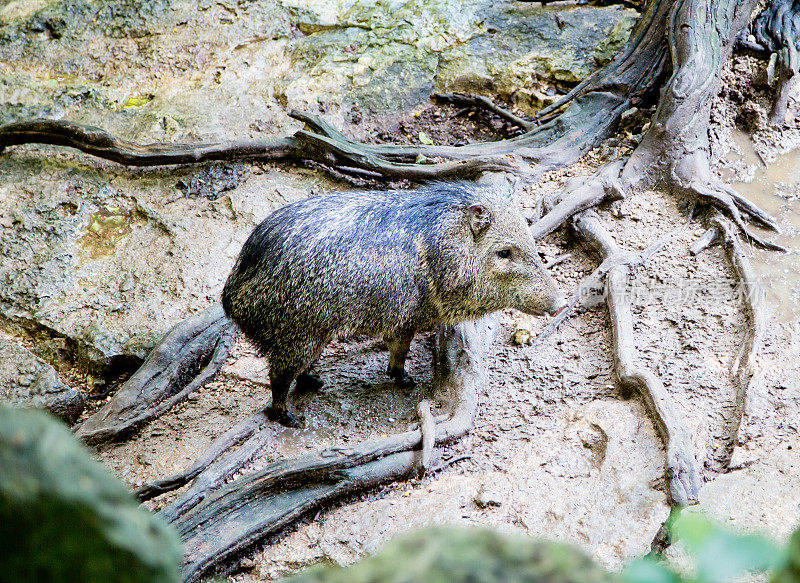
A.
pixel 479 218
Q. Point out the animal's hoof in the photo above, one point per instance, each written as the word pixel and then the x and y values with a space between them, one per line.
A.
pixel 309 382
pixel 284 417
pixel 402 379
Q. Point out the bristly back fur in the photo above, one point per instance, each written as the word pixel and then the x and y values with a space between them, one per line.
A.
pixel 347 263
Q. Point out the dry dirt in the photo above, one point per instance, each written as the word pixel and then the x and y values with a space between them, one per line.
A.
pixel 556 451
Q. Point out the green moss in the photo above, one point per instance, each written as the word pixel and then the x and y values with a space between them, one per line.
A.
pixel 106 228
pixel 68 517
pixel 461 555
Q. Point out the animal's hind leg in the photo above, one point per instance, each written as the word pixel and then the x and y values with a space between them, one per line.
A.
pixel 398 346
pixel 307 381
pixel 280 380
pixel 284 369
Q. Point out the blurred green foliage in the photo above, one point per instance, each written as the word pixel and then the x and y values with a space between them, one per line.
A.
pixel 717 554
pixel 64 518
pixel 465 555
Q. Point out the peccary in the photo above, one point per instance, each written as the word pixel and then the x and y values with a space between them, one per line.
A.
pixel 379 263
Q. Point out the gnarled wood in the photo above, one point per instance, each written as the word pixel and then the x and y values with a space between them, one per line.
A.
pixel 744 366
pixel 183 361
pixel 775 34
pixel 675 149
pixel 100 143
pixel 682 472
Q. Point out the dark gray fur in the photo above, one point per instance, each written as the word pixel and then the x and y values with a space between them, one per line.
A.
pixel 380 263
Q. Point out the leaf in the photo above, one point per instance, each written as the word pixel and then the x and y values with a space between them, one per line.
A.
pixel 423 138
pixel 722 555
pixel 649 571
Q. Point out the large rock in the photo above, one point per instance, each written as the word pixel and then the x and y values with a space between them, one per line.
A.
pixel 154 71
pixel 28 381
pixel 388 57
pixel 462 555
pixel 525 52
pixel 64 517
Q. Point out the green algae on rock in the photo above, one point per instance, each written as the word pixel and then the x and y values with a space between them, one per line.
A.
pixel 450 554
pixel 69 518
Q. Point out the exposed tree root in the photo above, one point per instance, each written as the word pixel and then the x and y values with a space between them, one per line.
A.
pixel 612 276
pixel 705 241
pixel 787 64
pixel 775 32
pixel 479 101
pixel 586 193
pixel 743 367
pixel 239 434
pixel 100 143
pixel 222 521
pixel 303 145
pixel 682 472
pixel 184 360
pixel 427 426
pixel 603 186
pixel 724 197
pixel 675 150
pixel 593 284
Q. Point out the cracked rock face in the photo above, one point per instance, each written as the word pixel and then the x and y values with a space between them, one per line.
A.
pixel 28 381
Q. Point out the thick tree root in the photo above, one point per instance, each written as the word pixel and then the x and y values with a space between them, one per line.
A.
pixel 787 64
pixel 237 435
pixel 184 360
pixel 772 28
pixel 675 150
pixel 612 276
pixel 304 145
pixel 775 33
pixel 100 143
pixel 601 187
pixel 593 285
pixel 588 193
pixel 557 143
pixel 727 199
pixel 743 367
pixel 682 471
pixel 427 426
pixel 235 515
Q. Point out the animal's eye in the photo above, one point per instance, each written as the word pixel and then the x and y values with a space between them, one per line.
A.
pixel 504 253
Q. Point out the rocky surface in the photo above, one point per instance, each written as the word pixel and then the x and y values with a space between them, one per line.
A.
pixel 64 517
pixel 28 381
